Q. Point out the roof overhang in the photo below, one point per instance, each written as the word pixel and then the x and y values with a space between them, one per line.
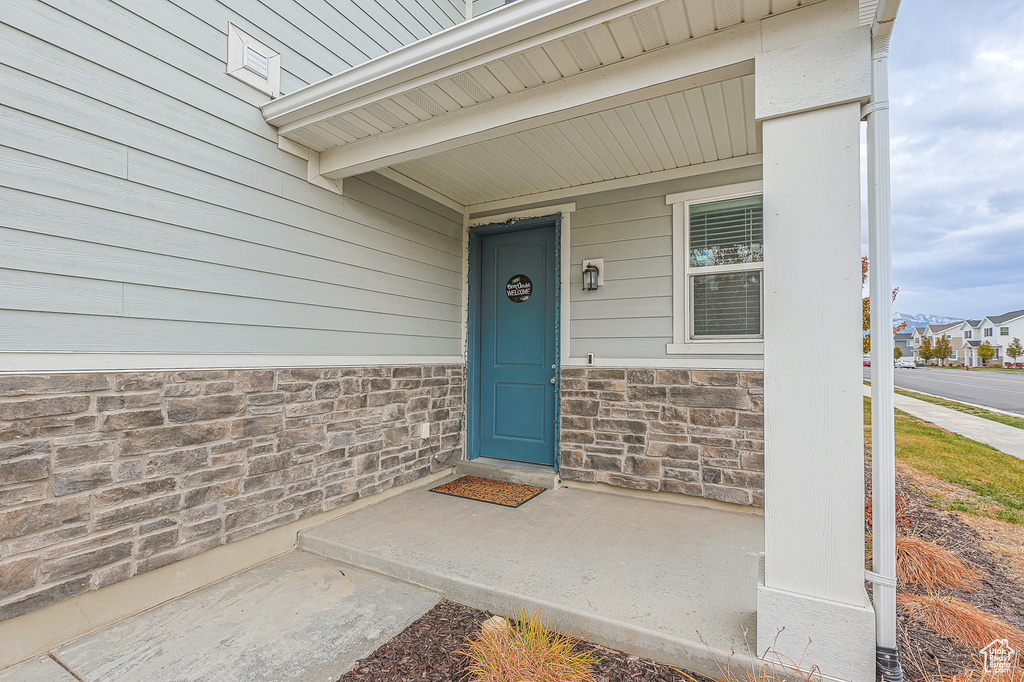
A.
pixel 507 92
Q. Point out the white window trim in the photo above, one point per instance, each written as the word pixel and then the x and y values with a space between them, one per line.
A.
pixel 682 344
pixel 237 41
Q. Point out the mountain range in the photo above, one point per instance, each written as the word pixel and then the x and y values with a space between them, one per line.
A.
pixel 920 319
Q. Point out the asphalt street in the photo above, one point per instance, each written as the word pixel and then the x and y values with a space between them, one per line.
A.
pixel 1001 390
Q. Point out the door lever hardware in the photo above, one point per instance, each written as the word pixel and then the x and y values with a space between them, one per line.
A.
pixel 552 381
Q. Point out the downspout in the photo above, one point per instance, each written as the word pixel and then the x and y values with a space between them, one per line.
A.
pixel 883 445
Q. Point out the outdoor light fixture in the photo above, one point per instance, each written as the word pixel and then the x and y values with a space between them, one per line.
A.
pixel 593 273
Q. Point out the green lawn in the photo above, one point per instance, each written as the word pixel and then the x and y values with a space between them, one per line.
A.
pixel 994 480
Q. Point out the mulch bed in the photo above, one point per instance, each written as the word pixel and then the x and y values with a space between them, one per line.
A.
pixel 428 650
pixel 923 652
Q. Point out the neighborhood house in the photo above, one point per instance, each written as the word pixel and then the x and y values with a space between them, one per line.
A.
pixel 966 336
pixel 264 261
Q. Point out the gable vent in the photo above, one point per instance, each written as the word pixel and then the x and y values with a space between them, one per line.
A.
pixel 253 61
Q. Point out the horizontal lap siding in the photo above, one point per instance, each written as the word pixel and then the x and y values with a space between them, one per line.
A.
pixel 631 229
pixel 147 208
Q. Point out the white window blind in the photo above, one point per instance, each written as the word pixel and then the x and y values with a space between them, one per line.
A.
pixel 725 241
pixel 726 232
pixel 727 304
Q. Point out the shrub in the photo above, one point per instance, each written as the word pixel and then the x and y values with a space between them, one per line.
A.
pixel 527 650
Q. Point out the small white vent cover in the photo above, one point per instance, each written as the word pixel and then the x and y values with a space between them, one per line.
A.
pixel 258 63
pixel 252 62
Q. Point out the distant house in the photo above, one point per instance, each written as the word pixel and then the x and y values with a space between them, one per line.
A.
pixel 999 331
pixel 966 335
pixel 916 337
pixel 905 342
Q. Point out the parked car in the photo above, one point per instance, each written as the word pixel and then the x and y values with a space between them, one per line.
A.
pixel 905 363
pixel 867 360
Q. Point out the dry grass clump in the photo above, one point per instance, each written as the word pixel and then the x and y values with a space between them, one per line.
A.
pixel 772 666
pixel 529 650
pixel 924 563
pixel 958 620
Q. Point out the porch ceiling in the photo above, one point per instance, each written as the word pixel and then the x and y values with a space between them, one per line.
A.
pixel 698 125
pixel 543 95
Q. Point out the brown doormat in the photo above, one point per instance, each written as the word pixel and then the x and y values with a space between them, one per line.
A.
pixel 486 490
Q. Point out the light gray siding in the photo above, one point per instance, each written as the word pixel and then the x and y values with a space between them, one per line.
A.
pixel 145 206
pixel 631 315
pixel 485 6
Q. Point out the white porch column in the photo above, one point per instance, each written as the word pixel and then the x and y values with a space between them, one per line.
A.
pixel 813 581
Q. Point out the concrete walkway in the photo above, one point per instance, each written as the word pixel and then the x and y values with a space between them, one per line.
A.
pixel 640 575
pixel 296 618
pixel 1004 438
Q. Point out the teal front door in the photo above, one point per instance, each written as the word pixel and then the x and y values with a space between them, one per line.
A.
pixel 513 297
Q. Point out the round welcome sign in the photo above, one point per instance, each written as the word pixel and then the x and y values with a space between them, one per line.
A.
pixel 519 288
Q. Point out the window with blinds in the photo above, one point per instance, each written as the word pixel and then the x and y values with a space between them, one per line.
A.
pixel 724 266
pixel 727 304
pixel 726 232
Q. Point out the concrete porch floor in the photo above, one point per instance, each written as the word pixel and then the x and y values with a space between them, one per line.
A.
pixel 640 575
pixel 637 574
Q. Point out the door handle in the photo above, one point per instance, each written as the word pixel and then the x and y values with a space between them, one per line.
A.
pixel 552 381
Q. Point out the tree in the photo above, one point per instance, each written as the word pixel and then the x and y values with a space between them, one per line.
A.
pixel 942 349
pixel 925 351
pixel 1015 350
pixel 897 352
pixel 986 352
pixel 866 307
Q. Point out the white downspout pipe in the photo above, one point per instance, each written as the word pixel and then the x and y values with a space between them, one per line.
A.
pixel 883 446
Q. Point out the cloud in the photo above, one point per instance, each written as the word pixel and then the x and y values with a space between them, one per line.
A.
pixel 957 145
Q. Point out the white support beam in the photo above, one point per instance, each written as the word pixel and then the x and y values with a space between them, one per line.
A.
pixel 813 582
pixel 420 188
pixel 720 56
pixel 841 73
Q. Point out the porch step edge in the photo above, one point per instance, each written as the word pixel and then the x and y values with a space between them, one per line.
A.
pixel 496 470
pixel 692 655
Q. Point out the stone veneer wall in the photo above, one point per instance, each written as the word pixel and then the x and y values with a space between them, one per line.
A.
pixel 686 431
pixel 105 476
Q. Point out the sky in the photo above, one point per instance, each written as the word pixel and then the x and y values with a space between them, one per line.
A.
pixel 957 143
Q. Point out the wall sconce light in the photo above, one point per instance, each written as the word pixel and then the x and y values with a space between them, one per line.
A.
pixel 593 273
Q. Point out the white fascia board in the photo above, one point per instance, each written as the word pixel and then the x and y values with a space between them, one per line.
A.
pixel 510 29
pixel 713 58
